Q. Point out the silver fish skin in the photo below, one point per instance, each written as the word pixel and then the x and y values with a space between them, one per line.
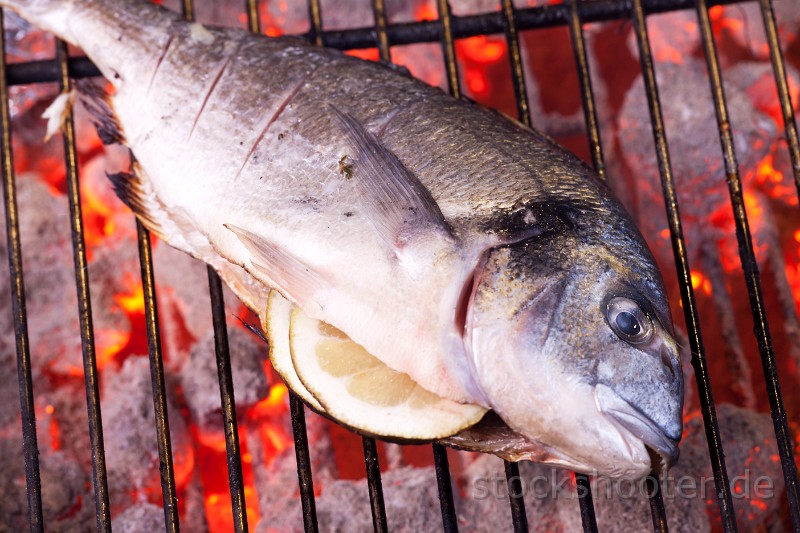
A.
pixel 454 244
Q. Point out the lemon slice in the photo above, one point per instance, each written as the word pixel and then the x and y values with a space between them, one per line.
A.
pixel 276 325
pixel 361 392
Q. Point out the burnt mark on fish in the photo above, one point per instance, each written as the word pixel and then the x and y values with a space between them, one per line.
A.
pixel 275 115
pixel 98 103
pixel 345 168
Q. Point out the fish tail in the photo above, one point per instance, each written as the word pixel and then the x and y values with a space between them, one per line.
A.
pixel 112 33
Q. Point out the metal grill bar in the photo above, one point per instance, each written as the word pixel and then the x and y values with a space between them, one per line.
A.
pixel 253 21
pixel 442 467
pixel 379 13
pixel 657 510
pixel 587 94
pixel 157 377
pixel 303 463
pixel 225 377
pixel 514 54
pixel 187 9
pixel 779 70
pixel 315 19
pixel 441 464
pixel 407 33
pixel 99 481
pixel 377 506
pixel 545 16
pixel 582 483
pixel 750 267
pixel 516 497
pixel 379 523
pixel 445 24
pixel 648 73
pixel 716 454
pixel 29 441
pixel 232 447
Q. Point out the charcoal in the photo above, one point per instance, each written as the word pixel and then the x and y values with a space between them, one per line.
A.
pixel 49 277
pixel 275 472
pixel 130 434
pixel 673 37
pixel 184 301
pixel 551 501
pixel 66 505
pixel 140 518
pixel 50 293
pixel 61 420
pixel 757 80
pixel 751 457
pixel 411 498
pixel 744 29
pixel 285 17
pixel 738 367
pixel 228 14
pixel 192 506
pixel 463 8
pixel 697 162
pixel 343 14
pixel 13 500
pixel 9 388
pixel 486 505
pixel 114 272
pixel 200 381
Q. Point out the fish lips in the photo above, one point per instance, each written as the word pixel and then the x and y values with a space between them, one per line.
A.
pixel 629 419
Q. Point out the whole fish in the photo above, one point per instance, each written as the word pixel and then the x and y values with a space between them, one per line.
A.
pixel 454 245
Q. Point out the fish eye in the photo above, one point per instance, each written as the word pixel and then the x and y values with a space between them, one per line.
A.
pixel 628 321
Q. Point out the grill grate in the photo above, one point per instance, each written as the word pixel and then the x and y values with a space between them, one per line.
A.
pixel 508 21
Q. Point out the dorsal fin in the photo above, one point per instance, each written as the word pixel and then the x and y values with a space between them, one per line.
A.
pixel 394 200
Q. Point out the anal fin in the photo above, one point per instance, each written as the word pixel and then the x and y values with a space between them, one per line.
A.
pixel 134 191
pixel 98 103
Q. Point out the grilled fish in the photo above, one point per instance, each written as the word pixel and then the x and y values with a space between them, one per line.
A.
pixel 456 246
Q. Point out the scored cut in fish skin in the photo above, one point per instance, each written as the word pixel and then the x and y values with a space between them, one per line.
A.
pixel 456 246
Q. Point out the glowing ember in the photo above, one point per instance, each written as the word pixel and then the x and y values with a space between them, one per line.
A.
pixel 483 48
pixel 266 418
pixel 699 281
pixel 426 12
pixel 110 343
pixel 370 54
pixel 133 301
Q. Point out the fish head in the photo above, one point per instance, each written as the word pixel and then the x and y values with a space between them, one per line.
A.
pixel 572 345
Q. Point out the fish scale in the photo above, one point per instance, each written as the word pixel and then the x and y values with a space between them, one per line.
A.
pixel 455 245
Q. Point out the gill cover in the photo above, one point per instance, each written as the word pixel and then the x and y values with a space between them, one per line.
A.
pixel 573 357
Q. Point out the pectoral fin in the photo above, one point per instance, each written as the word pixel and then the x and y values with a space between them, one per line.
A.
pixel 394 200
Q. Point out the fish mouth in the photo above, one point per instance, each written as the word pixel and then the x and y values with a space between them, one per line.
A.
pixel 633 421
